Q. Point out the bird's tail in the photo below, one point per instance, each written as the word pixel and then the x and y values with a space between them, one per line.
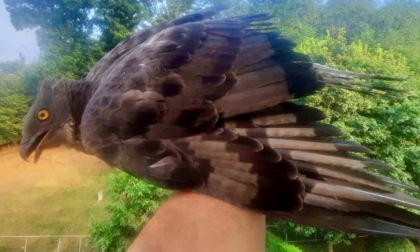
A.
pixel 354 81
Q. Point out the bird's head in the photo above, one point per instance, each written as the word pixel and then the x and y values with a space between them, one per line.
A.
pixel 49 121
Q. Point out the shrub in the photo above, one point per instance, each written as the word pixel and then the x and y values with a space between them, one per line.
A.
pixel 13 107
pixel 131 203
pixel 275 244
pixel 385 244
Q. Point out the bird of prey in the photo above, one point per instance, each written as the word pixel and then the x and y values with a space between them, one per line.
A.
pixel 207 105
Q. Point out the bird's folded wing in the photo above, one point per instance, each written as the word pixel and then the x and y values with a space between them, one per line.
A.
pixel 281 160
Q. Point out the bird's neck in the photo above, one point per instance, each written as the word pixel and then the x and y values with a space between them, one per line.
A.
pixel 80 93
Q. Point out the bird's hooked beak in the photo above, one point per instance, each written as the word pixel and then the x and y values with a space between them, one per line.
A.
pixel 33 144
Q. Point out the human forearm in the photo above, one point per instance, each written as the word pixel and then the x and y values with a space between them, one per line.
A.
pixel 191 221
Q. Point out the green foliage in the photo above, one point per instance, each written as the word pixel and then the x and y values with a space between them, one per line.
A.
pixel 396 26
pixel 117 19
pixel 352 15
pixel 130 203
pixel 171 9
pixel 71 62
pixel 393 133
pixel 12 66
pixel 13 107
pixel 335 237
pixel 63 33
pixel 295 18
pixel 64 22
pixel 281 228
pixel 385 244
pixel 67 32
pixel 275 244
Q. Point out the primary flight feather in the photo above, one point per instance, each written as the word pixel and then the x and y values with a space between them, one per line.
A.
pixel 205 105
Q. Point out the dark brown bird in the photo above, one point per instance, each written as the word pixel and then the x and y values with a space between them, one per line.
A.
pixel 202 104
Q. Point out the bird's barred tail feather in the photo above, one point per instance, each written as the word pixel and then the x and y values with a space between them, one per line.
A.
pixel 287 165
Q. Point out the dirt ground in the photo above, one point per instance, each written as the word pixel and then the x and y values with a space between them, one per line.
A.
pixel 56 196
pixel 53 168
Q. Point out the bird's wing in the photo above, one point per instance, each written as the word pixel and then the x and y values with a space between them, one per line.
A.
pixel 131 43
pixel 226 87
pixel 260 158
pixel 187 66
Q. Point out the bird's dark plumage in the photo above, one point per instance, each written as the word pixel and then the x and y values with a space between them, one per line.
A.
pixel 205 105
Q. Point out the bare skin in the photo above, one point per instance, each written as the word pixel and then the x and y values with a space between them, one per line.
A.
pixel 191 221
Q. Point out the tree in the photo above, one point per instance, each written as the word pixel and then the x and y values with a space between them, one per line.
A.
pixel 63 33
pixel 396 27
pixel 385 244
pixel 283 228
pixel 68 32
pixel 116 20
pixel 13 107
pixel 168 10
pixel 352 15
pixel 62 22
pixel 12 66
pixel 297 19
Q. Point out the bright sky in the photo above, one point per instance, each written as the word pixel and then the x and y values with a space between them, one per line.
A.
pixel 13 42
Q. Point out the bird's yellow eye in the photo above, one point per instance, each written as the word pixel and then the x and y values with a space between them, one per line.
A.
pixel 43 115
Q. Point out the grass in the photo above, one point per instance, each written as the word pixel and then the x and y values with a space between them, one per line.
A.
pixel 276 244
pixel 57 196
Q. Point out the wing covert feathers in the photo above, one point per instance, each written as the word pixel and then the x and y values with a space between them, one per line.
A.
pixel 227 86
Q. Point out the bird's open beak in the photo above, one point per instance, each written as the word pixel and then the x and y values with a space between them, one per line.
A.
pixel 32 144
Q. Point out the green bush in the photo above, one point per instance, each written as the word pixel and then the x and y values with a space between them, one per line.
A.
pixel 130 204
pixel 13 107
pixel 275 244
pixel 385 244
